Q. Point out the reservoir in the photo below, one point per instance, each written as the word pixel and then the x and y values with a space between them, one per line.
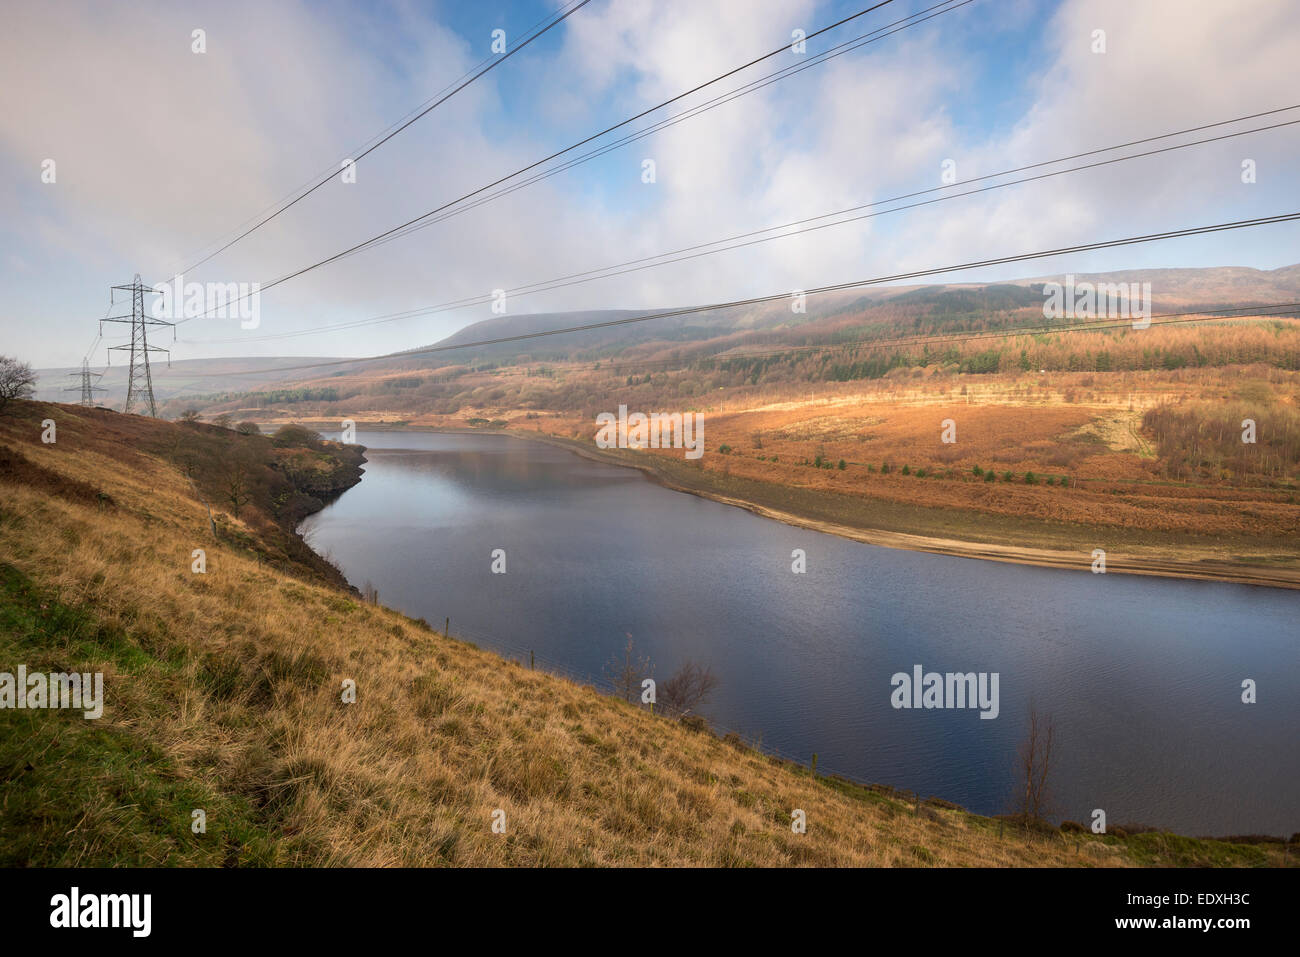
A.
pixel 1142 676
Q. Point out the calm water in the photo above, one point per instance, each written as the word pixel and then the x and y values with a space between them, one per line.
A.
pixel 1142 675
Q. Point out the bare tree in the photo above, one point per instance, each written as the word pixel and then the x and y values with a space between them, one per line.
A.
pixel 627 673
pixel 189 415
pixel 223 421
pixel 17 380
pixel 1036 757
pixel 237 492
pixel 688 688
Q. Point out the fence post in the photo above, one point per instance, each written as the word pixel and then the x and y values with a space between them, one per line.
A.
pixel 446 629
pixel 531 663
pixel 814 764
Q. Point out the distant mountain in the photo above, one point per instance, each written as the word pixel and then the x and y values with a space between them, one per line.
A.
pixel 186 377
pixel 1216 285
pixel 1201 288
pixel 827 318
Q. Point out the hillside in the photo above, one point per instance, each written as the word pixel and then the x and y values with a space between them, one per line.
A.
pixel 1127 440
pixel 223 694
pixel 868 333
pixel 1171 289
pixel 173 382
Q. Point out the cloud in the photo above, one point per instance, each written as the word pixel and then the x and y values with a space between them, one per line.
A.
pixel 1167 66
pixel 160 151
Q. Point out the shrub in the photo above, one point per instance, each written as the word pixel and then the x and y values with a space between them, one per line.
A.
pixel 248 428
pixel 1031 478
pixel 976 471
pixel 295 435
pixel 687 689
pixel 724 449
pixel 989 476
pixel 907 470
pixel 920 473
pixel 1051 480
pixel 842 466
pixel 1008 476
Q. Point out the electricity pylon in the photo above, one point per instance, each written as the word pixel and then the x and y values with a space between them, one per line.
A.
pixel 140 384
pixel 87 388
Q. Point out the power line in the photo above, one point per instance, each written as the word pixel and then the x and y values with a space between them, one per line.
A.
pixel 496 61
pixel 333 168
pixel 139 385
pixel 87 388
pixel 446 212
pixel 1264 310
pixel 781 49
pixel 752 87
pixel 648 262
pixel 777 297
pixel 1172 318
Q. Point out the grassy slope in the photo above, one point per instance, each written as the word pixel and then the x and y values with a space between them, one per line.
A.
pixel 223 693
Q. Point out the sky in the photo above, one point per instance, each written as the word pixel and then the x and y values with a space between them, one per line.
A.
pixel 161 153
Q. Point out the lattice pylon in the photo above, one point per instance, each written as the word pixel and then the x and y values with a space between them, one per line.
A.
pixel 87 387
pixel 139 386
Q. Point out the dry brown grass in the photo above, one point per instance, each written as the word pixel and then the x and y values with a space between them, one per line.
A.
pixel 1085 428
pixel 441 734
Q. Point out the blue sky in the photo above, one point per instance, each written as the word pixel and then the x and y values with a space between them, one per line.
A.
pixel 160 152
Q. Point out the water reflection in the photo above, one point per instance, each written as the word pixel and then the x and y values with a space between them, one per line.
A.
pixel 1142 674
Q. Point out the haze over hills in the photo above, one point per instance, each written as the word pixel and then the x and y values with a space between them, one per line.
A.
pixel 829 318
pixel 827 315
pixel 1203 288
pixel 183 377
pixel 1221 284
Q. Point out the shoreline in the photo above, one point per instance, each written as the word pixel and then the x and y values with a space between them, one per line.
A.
pixel 1117 562
pixel 1260 576
pixel 1040 557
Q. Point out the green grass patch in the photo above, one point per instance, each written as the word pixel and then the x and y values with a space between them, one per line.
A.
pixel 80 792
